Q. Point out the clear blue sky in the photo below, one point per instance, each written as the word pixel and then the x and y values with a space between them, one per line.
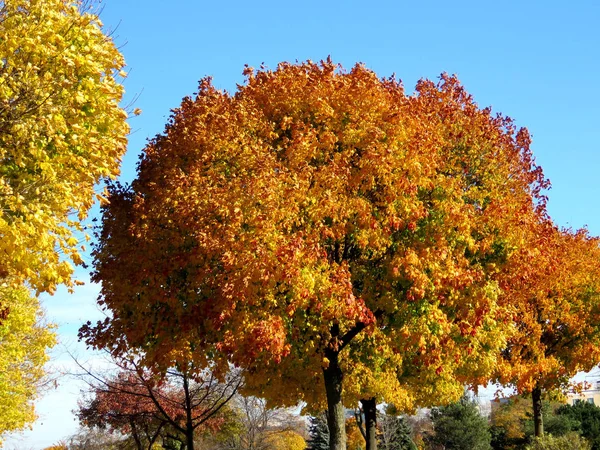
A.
pixel 535 61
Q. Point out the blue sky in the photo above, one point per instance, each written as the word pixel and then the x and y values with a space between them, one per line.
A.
pixel 537 62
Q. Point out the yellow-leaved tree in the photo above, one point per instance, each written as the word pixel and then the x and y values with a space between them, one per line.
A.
pixel 61 131
pixel 23 343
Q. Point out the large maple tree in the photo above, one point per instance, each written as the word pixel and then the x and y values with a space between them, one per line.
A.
pixel 325 231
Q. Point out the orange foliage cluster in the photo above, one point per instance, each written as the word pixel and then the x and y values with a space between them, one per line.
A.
pixel 553 292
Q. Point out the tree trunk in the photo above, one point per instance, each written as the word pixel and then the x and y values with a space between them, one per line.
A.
pixel 369 407
pixel 538 420
pixel 189 425
pixel 336 417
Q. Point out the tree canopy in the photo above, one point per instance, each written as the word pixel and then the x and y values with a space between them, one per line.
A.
pixel 553 289
pixel 325 231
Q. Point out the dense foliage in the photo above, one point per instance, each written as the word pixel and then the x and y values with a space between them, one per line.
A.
pixel 553 288
pixel 567 442
pixel 61 131
pixel 586 419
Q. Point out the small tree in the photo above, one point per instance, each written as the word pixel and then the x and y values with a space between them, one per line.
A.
pixel 459 426
pixel 148 405
pixel 554 287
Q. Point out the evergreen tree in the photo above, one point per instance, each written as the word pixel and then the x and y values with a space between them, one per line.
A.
pixel 395 434
pixel 459 426
pixel 318 434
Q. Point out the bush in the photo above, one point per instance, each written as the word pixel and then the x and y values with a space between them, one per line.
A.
pixel 570 441
pixel 587 417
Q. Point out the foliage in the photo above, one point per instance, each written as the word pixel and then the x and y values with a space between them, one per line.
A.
pixel 421 427
pixel 252 425
pixel 555 292
pixel 318 433
pixel 587 419
pixel 571 441
pixel 508 423
pixel 459 426
pixel 61 130
pixel 395 433
pixel 287 440
pixel 355 439
pixel 24 342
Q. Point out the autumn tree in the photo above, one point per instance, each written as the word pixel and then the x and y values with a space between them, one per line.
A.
pixel 554 291
pixel 61 131
pixel 148 405
pixel 24 343
pixel 331 235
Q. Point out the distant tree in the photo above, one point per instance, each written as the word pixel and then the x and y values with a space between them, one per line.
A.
pixel 318 433
pixel 459 426
pixel 512 424
pixel 254 426
pixel 288 440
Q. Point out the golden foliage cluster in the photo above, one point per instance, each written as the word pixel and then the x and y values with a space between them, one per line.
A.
pixel 61 131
